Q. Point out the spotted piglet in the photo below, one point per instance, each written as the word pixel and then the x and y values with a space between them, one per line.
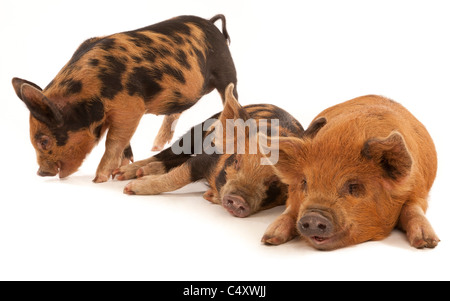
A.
pixel 367 167
pixel 235 168
pixel 111 82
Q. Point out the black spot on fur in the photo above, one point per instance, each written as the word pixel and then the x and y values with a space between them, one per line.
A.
pixel 176 106
pixel 177 95
pixel 229 161
pixel 98 131
pixel 272 194
pixel 221 178
pixel 181 58
pixel 93 62
pixel 111 77
pixel 176 73
pixel 149 56
pixel 139 39
pixel 269 112
pixel 84 48
pixel 128 153
pixel 171 160
pixel 107 44
pixel 178 40
pixel 78 116
pixel 202 165
pixel 161 51
pixel 136 59
pixel 83 114
pixel 175 162
pixel 163 39
pixel 71 86
pixel 143 82
pixel 200 58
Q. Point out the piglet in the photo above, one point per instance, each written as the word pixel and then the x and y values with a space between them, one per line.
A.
pixel 366 167
pixel 111 82
pixel 240 179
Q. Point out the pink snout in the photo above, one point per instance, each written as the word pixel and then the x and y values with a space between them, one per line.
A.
pixel 236 205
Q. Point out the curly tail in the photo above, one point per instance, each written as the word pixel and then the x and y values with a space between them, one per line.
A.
pixel 224 26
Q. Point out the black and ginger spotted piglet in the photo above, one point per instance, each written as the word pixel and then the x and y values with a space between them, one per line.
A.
pixel 238 180
pixel 111 82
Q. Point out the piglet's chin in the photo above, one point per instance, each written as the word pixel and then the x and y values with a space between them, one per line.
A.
pixel 323 243
pixel 66 170
pixel 65 173
pixel 328 243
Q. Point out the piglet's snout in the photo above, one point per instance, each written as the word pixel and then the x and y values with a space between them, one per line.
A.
pixel 45 173
pixel 315 224
pixel 236 205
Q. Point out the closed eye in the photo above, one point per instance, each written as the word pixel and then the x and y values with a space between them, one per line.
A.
pixel 355 189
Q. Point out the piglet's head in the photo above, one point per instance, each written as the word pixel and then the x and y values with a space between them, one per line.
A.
pixel 242 184
pixel 346 190
pixel 61 134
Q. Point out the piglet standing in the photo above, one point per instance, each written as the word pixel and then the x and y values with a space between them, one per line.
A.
pixel 111 82
pixel 366 168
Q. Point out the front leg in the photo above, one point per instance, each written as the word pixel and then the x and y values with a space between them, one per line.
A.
pixel 417 227
pixel 283 229
pixel 117 141
pixel 156 184
pixel 127 172
pixel 158 164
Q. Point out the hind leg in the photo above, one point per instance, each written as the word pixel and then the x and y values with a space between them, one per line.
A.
pixel 156 184
pixel 126 172
pixel 127 156
pixel 166 131
pixel 158 164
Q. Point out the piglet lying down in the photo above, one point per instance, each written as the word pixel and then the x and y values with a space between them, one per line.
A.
pixel 238 177
pixel 366 167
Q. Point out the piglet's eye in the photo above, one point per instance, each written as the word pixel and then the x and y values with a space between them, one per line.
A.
pixel 44 142
pixel 304 184
pixel 355 189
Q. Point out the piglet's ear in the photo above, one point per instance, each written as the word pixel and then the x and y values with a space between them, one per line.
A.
pixel 40 106
pixel 290 152
pixel 17 84
pixel 232 109
pixel 391 154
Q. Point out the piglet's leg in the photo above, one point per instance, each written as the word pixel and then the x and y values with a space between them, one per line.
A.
pixel 117 140
pixel 283 229
pixel 156 184
pixel 418 229
pixel 128 172
pixel 153 168
pixel 166 132
pixel 127 156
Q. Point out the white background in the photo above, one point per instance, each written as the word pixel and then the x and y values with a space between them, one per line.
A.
pixel 301 55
